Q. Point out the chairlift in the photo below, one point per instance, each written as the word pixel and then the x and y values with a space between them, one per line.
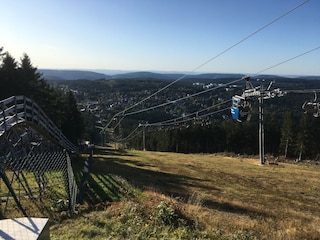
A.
pixel 241 108
pixel 312 107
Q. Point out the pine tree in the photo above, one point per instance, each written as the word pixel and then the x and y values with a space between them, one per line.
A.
pixel 72 122
pixel 24 79
pixel 1 53
pixel 29 78
pixel 272 133
pixel 287 135
pixel 8 78
pixel 303 138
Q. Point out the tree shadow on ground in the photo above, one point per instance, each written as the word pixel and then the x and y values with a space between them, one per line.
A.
pixel 172 185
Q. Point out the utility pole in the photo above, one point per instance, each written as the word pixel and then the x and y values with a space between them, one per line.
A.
pixel 144 137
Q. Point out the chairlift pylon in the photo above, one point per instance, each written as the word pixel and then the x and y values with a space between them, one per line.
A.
pixel 242 105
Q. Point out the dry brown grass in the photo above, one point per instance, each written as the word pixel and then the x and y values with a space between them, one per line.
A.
pixel 227 194
pixel 223 197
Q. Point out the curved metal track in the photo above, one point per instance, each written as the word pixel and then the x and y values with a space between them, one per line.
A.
pixel 34 158
pixel 20 109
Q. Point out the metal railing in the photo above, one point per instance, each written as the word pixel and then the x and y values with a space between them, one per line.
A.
pixel 34 158
pixel 18 109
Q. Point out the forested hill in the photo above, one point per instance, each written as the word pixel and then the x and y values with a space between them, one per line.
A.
pixel 52 74
pixel 208 126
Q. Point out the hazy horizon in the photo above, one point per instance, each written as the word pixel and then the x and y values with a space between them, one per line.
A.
pixel 180 36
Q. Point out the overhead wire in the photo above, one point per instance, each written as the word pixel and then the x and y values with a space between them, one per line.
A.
pixel 290 59
pixel 183 98
pixel 303 91
pixel 222 85
pixel 130 136
pixel 252 34
pixel 185 118
pixel 166 124
pixel 161 124
pixel 174 121
pixel 208 61
pixel 196 113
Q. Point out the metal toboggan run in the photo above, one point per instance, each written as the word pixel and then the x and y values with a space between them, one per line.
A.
pixel 34 158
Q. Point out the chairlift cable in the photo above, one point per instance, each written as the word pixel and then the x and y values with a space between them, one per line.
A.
pixel 130 136
pixel 161 124
pixel 174 120
pixel 305 91
pixel 207 90
pixel 210 89
pixel 208 61
pixel 285 61
pixel 183 98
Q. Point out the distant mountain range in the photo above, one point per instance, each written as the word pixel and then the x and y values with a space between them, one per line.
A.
pixel 51 74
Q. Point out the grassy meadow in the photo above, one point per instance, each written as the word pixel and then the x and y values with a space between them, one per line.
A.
pixel 160 195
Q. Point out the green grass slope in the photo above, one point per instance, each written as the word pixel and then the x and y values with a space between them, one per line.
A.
pixel 158 195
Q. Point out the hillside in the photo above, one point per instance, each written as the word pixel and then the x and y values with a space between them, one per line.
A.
pixel 143 195
pixel 53 74
pixel 202 108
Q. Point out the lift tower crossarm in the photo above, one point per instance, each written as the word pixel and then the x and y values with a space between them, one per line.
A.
pixel 251 91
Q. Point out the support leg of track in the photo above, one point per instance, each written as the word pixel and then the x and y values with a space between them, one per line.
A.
pixel 13 194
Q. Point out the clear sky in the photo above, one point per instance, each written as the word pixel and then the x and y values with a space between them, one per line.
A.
pixel 163 35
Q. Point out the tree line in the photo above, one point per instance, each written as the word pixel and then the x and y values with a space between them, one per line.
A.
pixel 291 134
pixel 22 78
pixel 288 131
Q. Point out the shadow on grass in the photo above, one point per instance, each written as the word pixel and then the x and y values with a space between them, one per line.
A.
pixel 110 152
pixel 231 208
pixel 102 185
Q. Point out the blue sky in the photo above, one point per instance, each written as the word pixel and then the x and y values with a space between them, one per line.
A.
pixel 166 35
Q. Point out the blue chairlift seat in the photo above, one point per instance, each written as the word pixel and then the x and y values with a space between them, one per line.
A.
pixel 240 109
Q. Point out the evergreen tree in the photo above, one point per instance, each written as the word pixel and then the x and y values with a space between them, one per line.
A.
pixel 72 123
pixel 303 138
pixel 23 79
pixel 8 83
pixel 235 137
pixel 287 135
pixel 315 140
pixel 1 53
pixel 9 64
pixel 29 78
pixel 272 133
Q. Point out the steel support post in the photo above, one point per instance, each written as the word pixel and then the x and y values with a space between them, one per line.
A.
pixel 144 137
pixel 261 128
pixel 13 194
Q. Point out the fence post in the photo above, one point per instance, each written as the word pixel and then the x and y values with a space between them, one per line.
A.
pixel 85 175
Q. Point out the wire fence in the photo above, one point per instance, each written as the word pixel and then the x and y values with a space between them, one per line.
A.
pixel 35 166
